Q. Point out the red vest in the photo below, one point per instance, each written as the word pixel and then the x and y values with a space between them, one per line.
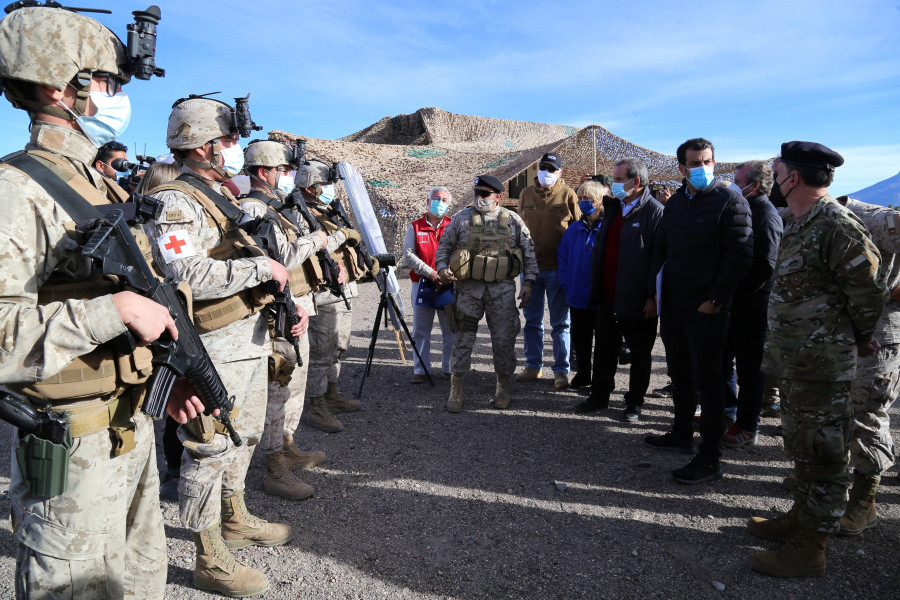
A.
pixel 427 240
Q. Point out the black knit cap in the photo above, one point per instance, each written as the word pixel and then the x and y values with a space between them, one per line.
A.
pixel 489 181
pixel 810 154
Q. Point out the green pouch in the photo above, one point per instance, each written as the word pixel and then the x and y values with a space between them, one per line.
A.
pixel 44 465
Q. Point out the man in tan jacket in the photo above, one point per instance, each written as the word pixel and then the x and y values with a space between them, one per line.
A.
pixel 547 209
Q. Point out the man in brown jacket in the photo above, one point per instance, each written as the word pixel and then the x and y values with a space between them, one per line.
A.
pixel 547 209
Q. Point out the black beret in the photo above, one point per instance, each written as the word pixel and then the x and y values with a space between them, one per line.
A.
pixel 810 154
pixel 551 158
pixel 489 181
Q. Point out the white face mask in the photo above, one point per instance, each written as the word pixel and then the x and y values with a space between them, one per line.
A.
pixel 110 121
pixel 233 158
pixel 547 179
pixel 285 184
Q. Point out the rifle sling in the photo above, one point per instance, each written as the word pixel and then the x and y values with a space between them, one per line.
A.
pixel 75 205
pixel 231 212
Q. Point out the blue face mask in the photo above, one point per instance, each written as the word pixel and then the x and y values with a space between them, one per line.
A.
pixel 110 121
pixel 587 206
pixel 701 177
pixel 327 194
pixel 438 208
pixel 618 190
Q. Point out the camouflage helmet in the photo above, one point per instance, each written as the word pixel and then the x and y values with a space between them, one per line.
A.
pixel 264 153
pixel 196 120
pixel 50 46
pixel 313 172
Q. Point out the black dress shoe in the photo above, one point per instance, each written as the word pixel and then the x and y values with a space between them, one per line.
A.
pixel 580 381
pixel 591 404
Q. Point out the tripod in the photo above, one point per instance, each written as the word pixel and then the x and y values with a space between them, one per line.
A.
pixel 387 305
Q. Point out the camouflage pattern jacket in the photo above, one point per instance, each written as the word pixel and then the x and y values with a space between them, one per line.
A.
pixel 36 239
pixel 457 235
pixel 827 296
pixel 884 230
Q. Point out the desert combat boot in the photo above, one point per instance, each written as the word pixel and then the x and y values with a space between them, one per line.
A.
pixel 318 416
pixel 780 529
pixel 501 393
pixel 801 556
pixel 298 459
pixel 337 403
pixel 240 528
pixel 217 570
pixel 281 482
pixel 861 513
pixel 455 401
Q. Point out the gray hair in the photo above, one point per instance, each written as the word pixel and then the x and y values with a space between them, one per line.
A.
pixel 759 171
pixel 440 188
pixel 635 168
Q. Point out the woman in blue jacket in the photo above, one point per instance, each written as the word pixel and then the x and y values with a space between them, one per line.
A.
pixel 574 258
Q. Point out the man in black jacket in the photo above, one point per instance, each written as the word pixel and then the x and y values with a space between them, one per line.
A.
pixel 623 288
pixel 747 325
pixel 704 249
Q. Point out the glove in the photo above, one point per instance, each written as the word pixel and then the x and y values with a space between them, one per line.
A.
pixel 525 294
pixel 376 266
pixel 353 237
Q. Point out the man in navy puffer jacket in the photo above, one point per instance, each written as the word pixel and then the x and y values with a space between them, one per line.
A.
pixel 704 249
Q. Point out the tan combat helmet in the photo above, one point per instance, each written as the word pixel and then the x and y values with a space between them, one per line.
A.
pixel 313 172
pixel 264 153
pixel 56 47
pixel 197 120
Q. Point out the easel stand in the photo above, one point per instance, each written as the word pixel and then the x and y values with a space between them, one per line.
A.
pixel 387 305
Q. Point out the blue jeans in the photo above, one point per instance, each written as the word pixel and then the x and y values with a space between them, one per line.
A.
pixel 547 283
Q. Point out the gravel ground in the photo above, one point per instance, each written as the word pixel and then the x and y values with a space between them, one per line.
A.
pixel 533 502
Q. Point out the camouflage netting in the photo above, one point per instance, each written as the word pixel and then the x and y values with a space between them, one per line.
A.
pixel 401 158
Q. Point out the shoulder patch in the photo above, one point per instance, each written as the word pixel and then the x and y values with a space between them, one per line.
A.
pixel 174 215
pixel 175 244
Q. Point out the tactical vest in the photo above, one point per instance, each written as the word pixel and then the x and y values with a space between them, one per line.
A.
pixel 345 255
pixel 102 373
pixel 210 315
pixel 307 277
pixel 487 256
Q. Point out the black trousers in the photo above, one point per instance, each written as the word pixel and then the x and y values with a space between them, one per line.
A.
pixel 694 345
pixel 744 343
pixel 640 335
pixel 583 337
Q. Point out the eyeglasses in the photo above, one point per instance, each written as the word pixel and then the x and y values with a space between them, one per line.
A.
pixel 484 193
pixel 110 86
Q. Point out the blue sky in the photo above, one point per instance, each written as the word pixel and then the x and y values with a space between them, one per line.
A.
pixel 747 75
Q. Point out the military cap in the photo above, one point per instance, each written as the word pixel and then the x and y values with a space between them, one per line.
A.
pixel 810 154
pixel 491 182
pixel 551 158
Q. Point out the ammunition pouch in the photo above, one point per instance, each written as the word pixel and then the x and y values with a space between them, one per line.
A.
pixel 488 256
pixel 280 369
pixel 461 263
pixel 203 428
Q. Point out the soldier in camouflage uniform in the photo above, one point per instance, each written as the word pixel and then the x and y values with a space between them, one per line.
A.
pixel 875 385
pixel 483 249
pixel 103 534
pixel 330 327
pixel 824 306
pixel 268 165
pixel 195 241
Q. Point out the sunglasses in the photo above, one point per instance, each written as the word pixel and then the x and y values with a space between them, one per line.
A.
pixel 546 167
pixel 484 193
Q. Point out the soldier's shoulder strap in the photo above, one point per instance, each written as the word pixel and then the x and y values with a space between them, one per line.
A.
pixel 47 175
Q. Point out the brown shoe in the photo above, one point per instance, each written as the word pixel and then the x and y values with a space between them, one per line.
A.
pixel 501 393
pixel 801 556
pixel 281 482
pixel 454 402
pixel 318 416
pixel 780 529
pixel 861 513
pixel 240 528
pixel 337 403
pixel 561 381
pixel 529 374
pixel 217 570
pixel 298 459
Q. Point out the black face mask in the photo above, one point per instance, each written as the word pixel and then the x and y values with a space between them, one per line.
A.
pixel 776 197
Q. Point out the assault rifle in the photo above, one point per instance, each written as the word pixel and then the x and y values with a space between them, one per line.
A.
pixel 330 269
pixel 339 216
pixel 114 251
pixel 286 316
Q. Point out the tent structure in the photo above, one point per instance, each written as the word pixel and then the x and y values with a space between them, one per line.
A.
pixel 401 158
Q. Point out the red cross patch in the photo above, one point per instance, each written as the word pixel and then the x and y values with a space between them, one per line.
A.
pixel 174 245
